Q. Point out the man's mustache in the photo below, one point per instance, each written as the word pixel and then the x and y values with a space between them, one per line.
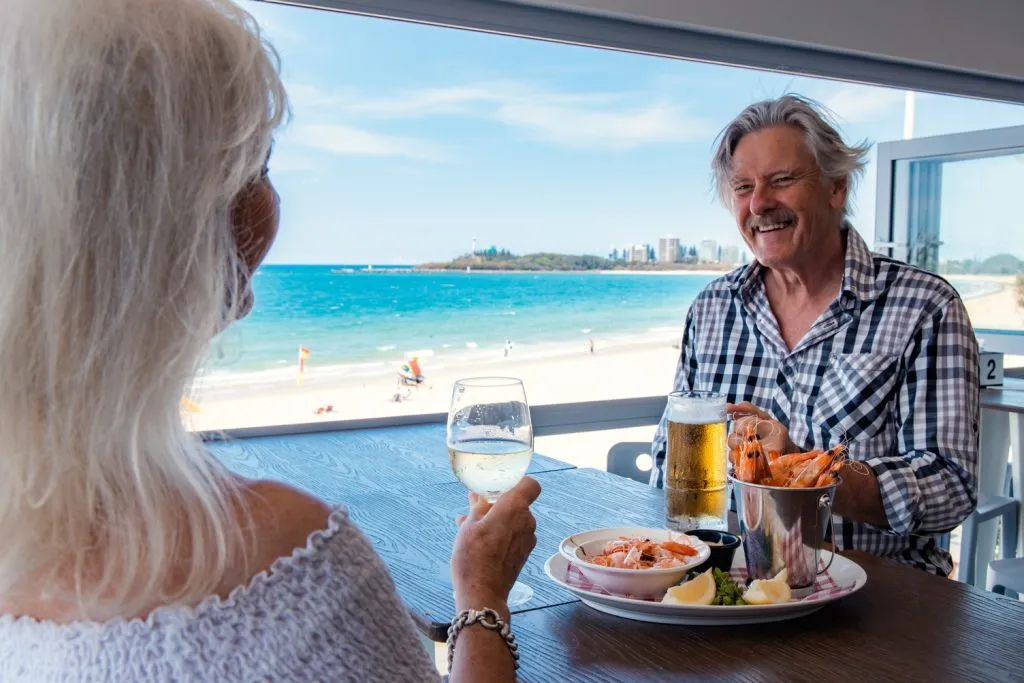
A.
pixel 771 218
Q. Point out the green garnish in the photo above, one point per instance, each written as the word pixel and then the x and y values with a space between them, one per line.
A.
pixel 727 591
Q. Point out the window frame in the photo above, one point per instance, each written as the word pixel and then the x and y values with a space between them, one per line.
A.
pixel 892 236
pixel 563 26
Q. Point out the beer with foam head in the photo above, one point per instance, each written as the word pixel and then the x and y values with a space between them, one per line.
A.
pixel 696 489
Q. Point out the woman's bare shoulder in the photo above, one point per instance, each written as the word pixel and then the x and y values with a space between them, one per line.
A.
pixel 283 516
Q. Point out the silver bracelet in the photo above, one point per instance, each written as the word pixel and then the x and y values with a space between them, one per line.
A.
pixel 490 620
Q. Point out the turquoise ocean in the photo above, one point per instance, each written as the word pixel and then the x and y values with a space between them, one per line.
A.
pixel 356 321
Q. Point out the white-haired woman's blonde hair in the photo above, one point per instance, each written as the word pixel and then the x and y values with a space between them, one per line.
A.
pixel 129 127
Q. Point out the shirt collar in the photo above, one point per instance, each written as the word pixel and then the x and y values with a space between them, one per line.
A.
pixel 858 271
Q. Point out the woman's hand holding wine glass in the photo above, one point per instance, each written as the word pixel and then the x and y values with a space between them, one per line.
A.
pixel 490 443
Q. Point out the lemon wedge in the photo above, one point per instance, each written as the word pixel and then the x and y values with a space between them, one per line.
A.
pixel 700 590
pixel 769 591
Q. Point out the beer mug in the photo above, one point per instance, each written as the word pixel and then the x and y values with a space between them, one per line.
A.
pixel 696 486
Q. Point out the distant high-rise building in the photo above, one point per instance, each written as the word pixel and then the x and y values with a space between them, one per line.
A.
pixel 637 253
pixel 708 251
pixel 668 250
pixel 730 255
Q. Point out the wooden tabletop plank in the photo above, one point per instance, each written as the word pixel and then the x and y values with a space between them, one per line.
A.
pixel 904 625
pixel 414 532
pixel 333 465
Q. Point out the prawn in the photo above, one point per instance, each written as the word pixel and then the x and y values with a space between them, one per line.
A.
pixel 822 470
pixel 753 465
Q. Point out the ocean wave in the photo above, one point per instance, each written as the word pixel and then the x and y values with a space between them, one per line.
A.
pixel 471 345
pixel 585 330
pixel 388 347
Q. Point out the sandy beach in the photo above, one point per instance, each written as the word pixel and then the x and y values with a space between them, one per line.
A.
pixel 642 365
pixel 614 370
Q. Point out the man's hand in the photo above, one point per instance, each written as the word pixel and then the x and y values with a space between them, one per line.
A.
pixel 773 434
pixel 857 498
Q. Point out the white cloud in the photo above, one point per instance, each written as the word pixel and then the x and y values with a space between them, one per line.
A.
pixel 343 139
pixel 306 96
pixel 622 128
pixel 427 102
pixel 602 120
pixel 859 103
pixel 275 31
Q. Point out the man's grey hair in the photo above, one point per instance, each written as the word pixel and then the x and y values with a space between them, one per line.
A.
pixel 836 160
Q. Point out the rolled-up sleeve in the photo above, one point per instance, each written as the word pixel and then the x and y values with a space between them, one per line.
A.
pixel 686 370
pixel 930 485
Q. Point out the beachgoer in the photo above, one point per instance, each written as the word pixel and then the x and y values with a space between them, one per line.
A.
pixel 825 341
pixel 136 208
pixel 590 343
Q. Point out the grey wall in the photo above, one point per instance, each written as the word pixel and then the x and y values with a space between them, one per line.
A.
pixel 943 46
pixel 984 36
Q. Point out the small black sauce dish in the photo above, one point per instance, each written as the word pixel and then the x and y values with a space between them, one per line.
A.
pixel 721 555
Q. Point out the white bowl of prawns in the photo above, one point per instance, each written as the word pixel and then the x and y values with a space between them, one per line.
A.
pixel 634 561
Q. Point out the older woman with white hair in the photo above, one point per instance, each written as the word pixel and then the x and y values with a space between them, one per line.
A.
pixel 134 207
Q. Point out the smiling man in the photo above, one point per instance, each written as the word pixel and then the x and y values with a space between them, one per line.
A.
pixel 825 341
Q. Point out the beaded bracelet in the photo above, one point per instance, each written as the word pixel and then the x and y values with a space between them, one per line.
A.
pixel 490 620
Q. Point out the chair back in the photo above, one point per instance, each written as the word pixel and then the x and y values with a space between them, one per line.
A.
pixel 622 460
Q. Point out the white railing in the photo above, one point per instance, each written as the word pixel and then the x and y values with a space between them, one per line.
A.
pixel 548 420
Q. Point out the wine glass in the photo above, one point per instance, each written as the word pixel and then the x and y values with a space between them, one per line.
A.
pixel 490 442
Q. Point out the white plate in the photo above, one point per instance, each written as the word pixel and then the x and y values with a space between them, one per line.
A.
pixel 844 571
pixel 639 582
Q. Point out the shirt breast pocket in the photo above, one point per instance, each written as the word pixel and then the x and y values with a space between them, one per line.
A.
pixel 856 394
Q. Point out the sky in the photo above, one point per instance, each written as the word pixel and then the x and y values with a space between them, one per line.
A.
pixel 408 141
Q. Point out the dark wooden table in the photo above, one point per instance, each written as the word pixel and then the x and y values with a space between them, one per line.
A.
pixel 335 465
pixel 905 625
pixel 414 530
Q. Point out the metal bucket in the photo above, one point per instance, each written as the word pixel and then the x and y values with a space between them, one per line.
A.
pixel 784 528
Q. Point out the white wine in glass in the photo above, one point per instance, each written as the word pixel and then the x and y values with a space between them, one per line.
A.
pixel 490 442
